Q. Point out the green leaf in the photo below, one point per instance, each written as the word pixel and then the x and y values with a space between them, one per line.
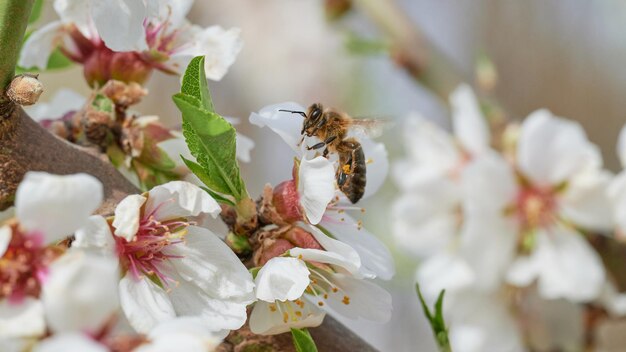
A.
pixel 437 323
pixel 302 340
pixel 219 198
pixel 35 13
pixel 195 83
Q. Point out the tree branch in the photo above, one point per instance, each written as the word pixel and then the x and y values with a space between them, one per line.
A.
pixel 13 21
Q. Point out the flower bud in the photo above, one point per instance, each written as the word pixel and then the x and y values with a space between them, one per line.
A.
pixel 25 89
pixel 286 201
pixel 301 238
pixel 272 248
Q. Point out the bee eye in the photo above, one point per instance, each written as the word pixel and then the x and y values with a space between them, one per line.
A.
pixel 315 114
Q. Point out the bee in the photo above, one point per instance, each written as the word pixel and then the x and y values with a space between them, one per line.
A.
pixel 332 127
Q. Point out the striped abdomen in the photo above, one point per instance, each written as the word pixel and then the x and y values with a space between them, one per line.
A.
pixel 352 169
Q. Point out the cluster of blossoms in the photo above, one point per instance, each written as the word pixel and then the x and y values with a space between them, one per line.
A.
pixel 67 275
pixel 119 44
pixel 127 40
pixel 72 280
pixel 502 221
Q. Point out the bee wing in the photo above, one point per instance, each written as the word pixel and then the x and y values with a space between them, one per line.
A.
pixel 371 128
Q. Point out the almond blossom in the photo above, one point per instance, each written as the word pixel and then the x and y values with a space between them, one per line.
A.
pixel 426 214
pixel 171 266
pixel 48 208
pixel 125 40
pixel 294 290
pixel 531 216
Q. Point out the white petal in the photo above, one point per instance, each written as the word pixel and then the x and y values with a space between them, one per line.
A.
pixel 181 334
pixel 566 266
pixel 70 342
pixel 285 124
pixel 488 243
pixel 621 146
pixel 244 147
pixel 54 205
pixel 189 299
pixel 172 11
pixel 489 184
pixel 144 303
pixel 585 201
pixel 267 321
pixel 470 126
pixel 429 147
pixel 282 279
pixel 128 216
pixel 39 45
pixel 446 270
pixel 120 24
pixel 95 235
pixel 5 238
pixel 180 199
pixel 482 323
pixel 552 149
pixel 219 47
pixel 377 165
pixel 80 292
pixel 335 253
pixel 425 220
pixel 375 256
pixel 316 185
pixel 206 261
pixel 76 12
pixel 23 319
pixel 63 101
pixel 366 300
pixel 613 300
pixel 617 194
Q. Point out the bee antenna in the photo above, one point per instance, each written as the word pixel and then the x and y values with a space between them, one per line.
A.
pixel 295 112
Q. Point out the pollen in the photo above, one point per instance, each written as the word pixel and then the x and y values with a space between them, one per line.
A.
pixel 272 308
pixel 320 303
pixel 345 300
pixel 369 161
pixel 298 314
pixel 346 169
pixel 335 289
pixel 325 295
pixel 285 317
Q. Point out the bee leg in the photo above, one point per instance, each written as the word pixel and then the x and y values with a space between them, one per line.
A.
pixel 316 146
pixel 321 144
pixel 325 154
pixel 301 140
pixel 317 127
pixel 341 179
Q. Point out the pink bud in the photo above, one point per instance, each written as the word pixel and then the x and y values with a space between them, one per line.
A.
pixel 286 200
pixel 301 238
pixel 276 249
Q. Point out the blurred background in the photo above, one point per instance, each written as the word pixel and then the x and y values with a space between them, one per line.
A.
pixel 564 55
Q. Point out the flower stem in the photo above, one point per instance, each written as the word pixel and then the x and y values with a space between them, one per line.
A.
pixel 13 21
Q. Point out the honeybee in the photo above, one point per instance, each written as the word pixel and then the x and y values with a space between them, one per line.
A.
pixel 332 127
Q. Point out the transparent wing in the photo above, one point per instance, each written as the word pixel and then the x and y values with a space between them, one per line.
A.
pixel 371 128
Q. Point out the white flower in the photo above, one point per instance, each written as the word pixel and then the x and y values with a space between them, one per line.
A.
pixel 155 29
pixel 48 208
pixel 561 185
pixel 293 290
pixel 426 215
pixel 173 268
pixel 70 342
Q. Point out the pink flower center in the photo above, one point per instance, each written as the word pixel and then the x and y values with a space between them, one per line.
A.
pixel 146 253
pixel 24 265
pixel 536 207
